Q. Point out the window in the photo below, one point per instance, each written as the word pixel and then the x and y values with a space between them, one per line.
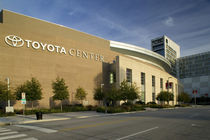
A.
pixel 153 88
pixel 112 78
pixel 153 81
pixel 161 84
pixel 161 52
pixel 158 47
pixel 143 91
pixel 142 78
pixel 129 75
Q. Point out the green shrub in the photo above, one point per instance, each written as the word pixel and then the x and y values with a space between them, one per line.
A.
pixel 137 107
pixel 140 102
pixel 159 106
pixel 81 105
pixel 30 112
pixel 119 109
pixel 126 107
pixel 155 106
pixel 91 108
pixel 100 109
pixel 3 114
pixel 182 105
pixel 151 103
pixel 115 110
pixel 127 104
pixel 68 108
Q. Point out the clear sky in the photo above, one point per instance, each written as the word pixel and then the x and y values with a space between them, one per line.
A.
pixel 187 22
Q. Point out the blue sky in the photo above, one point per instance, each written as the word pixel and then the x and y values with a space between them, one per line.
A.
pixel 187 22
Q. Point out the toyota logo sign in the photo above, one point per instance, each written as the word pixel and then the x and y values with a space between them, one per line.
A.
pixel 18 42
pixel 14 41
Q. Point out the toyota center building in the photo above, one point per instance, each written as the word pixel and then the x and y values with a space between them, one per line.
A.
pixel 31 47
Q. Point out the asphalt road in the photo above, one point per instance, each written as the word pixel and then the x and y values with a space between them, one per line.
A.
pixel 173 124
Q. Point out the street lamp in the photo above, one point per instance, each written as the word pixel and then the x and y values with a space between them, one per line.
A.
pixel 7 79
pixel 102 86
pixel 8 108
pixel 104 97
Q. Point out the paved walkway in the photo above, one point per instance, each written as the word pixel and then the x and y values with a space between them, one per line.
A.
pixel 22 119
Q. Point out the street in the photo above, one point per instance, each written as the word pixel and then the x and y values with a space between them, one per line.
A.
pixel 174 124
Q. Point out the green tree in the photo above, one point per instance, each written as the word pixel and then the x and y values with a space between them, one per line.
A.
pixel 98 94
pixel 124 90
pixel 60 90
pixel 184 97
pixel 5 94
pixel 80 94
pixel 165 96
pixel 134 92
pixel 112 95
pixel 32 89
pixel 128 91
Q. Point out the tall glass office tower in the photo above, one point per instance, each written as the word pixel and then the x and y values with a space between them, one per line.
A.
pixel 167 48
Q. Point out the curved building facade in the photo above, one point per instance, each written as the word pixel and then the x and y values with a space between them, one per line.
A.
pixel 31 47
pixel 149 70
pixel 142 54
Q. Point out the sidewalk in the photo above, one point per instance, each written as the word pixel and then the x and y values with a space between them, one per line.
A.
pixel 24 119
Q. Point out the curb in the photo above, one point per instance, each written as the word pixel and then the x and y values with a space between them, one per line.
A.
pixel 46 120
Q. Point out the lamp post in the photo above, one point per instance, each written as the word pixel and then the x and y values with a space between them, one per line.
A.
pixel 102 87
pixel 104 97
pixel 8 91
pixel 8 108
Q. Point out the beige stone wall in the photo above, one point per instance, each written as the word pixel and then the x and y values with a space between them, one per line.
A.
pixel 137 67
pixel 23 63
pixel 20 64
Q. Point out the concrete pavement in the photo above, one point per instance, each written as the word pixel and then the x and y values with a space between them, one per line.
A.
pixel 23 119
pixel 163 124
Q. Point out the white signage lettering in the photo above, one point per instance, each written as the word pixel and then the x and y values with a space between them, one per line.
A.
pixel 50 48
pixel 17 42
pixel 71 52
pixel 63 50
pixel 35 45
pixel 57 48
pixel 43 46
pixel 28 43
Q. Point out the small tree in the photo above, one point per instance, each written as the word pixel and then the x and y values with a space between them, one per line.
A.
pixel 134 92
pixel 128 91
pixel 5 94
pixel 32 90
pixel 184 97
pixel 124 90
pixel 60 90
pixel 165 96
pixel 98 94
pixel 80 94
pixel 112 95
